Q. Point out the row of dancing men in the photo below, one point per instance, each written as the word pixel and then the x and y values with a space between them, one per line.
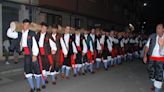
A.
pixel 49 54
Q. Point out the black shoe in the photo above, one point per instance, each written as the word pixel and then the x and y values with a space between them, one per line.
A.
pixel 74 75
pixel 31 90
pixel 152 88
pixel 38 90
pixel 43 87
pixel 15 62
pixel 46 81
pixel 79 74
pixel 83 73
pixel 56 77
pixel 54 83
pixel 93 72
pixel 106 69
pixel 67 78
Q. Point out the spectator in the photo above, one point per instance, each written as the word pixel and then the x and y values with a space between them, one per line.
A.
pixel 6 45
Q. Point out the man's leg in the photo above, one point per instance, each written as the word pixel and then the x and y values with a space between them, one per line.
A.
pixel 28 71
pixel 68 68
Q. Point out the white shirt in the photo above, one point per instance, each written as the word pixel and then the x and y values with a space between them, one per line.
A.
pixel 90 43
pixel 41 39
pixel 109 45
pixel 12 34
pixel 102 39
pixel 155 52
pixel 41 42
pixel 23 43
pixel 77 39
pixel 93 37
pixel 98 45
pixel 122 43
pixel 85 48
pixel 126 41
pixel 86 35
pixel 54 36
pixel 66 39
pixel 65 44
pixel 35 49
pixel 24 38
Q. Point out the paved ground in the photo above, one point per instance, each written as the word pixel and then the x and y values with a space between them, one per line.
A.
pixel 129 77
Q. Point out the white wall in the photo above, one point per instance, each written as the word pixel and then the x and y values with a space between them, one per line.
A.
pixel 23 13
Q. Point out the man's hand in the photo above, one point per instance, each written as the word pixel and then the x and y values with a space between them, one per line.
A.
pixel 145 59
pixel 53 52
pixel 99 51
pixel 83 54
pixel 65 56
pixel 34 58
pixel 74 56
pixel 161 42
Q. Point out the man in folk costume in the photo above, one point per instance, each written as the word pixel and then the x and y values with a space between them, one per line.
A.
pixel 131 45
pixel 140 44
pixel 120 48
pixel 137 41
pixel 106 50
pixel 122 44
pixel 98 49
pixel 81 50
pixel 114 47
pixel 55 37
pixel 47 47
pixel 29 46
pixel 93 49
pixel 69 52
pixel 126 41
pixel 156 59
pixel 87 57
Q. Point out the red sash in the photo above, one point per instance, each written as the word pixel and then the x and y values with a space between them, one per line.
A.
pixel 95 55
pixel 102 46
pixel 41 68
pixel 123 51
pixel 42 52
pixel 79 48
pixel 50 59
pixel 89 54
pixel 26 51
pixel 156 58
pixel 61 56
pixel 113 52
pixel 72 60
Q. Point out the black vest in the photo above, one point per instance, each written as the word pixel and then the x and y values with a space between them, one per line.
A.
pixel 81 40
pixel 97 37
pixel 58 45
pixel 105 43
pixel 152 43
pixel 46 45
pixel 70 49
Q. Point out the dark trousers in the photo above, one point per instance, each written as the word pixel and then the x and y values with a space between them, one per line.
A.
pixel 31 67
pixel 45 62
pixel 155 70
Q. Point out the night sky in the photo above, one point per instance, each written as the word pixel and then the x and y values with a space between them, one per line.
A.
pixel 153 13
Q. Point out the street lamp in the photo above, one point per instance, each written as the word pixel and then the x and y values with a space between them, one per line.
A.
pixel 145 4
